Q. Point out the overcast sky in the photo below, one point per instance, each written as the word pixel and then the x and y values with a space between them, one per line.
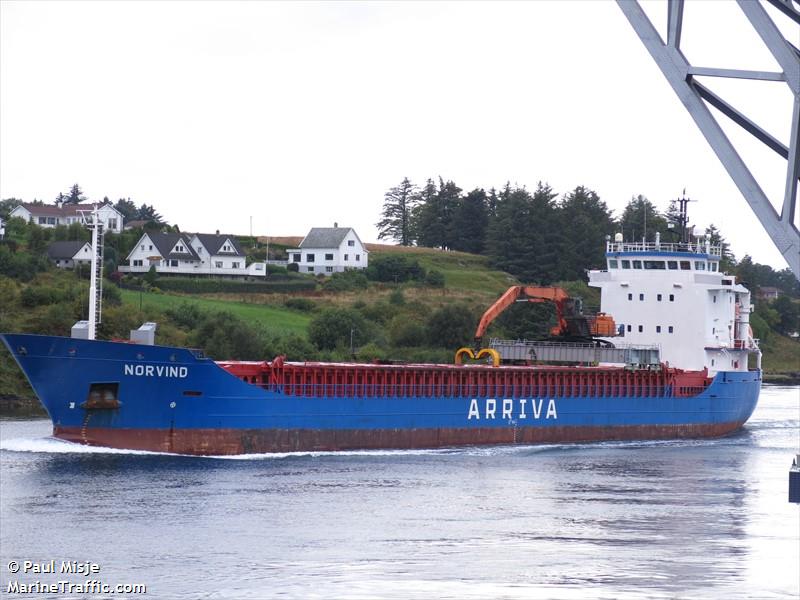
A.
pixel 304 114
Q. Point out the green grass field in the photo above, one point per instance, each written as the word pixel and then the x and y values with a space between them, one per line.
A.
pixel 270 317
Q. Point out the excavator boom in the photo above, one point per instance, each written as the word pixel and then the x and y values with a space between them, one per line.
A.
pixel 569 318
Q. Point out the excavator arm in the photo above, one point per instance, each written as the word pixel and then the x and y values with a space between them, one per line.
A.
pixel 522 293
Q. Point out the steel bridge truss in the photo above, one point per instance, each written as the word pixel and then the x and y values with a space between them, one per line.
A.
pixel 697 98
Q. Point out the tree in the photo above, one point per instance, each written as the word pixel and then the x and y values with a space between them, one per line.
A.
pixel 433 223
pixel 126 208
pixel 451 326
pixel 75 195
pixel 728 260
pixel 789 314
pixel 640 220
pixel 335 327
pixel 7 205
pixel 589 221
pixel 148 213
pixel 398 205
pixel 469 223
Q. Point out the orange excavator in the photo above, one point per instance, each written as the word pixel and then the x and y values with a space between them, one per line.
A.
pixel 572 323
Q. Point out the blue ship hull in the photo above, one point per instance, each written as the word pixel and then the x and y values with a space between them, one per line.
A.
pixel 172 400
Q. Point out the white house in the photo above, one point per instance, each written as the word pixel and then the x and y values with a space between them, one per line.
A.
pixel 50 215
pixel 66 255
pixel 328 250
pixel 192 255
pixel 2 228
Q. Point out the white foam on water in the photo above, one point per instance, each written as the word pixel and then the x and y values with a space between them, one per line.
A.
pixel 50 445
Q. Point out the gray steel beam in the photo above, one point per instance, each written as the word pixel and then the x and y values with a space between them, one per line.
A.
pixel 676 69
pixel 736 73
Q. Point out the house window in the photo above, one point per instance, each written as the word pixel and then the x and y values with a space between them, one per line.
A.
pixel 199 249
pixel 178 248
pixel 218 264
pixel 670 329
pixel 142 246
pixel 351 243
pixel 296 258
pixel 137 263
pixel 329 257
pixel 715 299
pixel 310 269
pixel 658 328
pixel 173 263
pixel 112 223
pixel 235 265
pixel 329 269
pixel 358 258
pixel 309 258
pixel 42 220
pixel 150 248
pixel 345 257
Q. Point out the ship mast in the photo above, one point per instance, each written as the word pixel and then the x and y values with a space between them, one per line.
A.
pixel 92 221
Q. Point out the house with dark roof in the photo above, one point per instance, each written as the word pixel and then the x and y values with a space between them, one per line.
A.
pixel 51 215
pixel 191 254
pixel 65 255
pixel 328 250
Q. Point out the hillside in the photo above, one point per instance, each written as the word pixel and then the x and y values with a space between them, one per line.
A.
pixel 412 316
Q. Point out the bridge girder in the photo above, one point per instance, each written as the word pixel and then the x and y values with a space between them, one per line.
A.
pixel 697 98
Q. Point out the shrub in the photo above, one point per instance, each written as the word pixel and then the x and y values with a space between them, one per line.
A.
pixel 334 327
pixel 396 297
pixel 223 336
pixel 301 304
pixel 40 295
pixel 185 315
pixel 346 281
pixel 435 279
pixel 396 268
pixel 406 333
pixel 212 286
pixel 451 326
pixel 293 267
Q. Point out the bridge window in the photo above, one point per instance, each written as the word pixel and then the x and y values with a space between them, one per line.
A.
pixel 657 265
pixel 637 264
pixel 686 265
pixel 630 296
pixel 671 329
pixel 672 265
pixel 641 328
pixel 629 328
pixel 700 265
pixel 626 264
pixel 715 298
pixel 612 264
pixel 658 297
pixel 713 266
pixel 641 297
pixel 658 328
pixel 672 297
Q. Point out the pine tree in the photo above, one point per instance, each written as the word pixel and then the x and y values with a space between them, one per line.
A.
pixel 640 220
pixel 433 219
pixel 75 195
pixel 728 261
pixel 588 221
pixel 469 223
pixel 398 205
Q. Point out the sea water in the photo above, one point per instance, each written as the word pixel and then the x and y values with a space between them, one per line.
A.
pixel 667 519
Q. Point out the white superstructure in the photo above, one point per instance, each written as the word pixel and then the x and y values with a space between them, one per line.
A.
pixel 676 297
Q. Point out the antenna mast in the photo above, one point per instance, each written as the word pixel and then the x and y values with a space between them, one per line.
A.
pixel 95 317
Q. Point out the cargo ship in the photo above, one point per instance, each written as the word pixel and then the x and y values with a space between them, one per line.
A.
pixel 681 362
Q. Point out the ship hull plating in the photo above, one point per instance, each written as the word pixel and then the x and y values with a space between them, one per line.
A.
pixel 170 400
